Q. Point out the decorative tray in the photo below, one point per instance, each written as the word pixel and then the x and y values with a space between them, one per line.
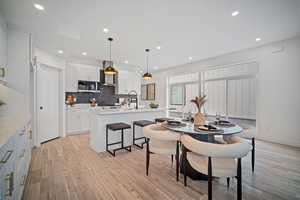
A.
pixel 222 123
pixel 208 129
pixel 173 124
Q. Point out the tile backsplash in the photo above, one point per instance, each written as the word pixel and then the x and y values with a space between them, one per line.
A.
pixel 105 96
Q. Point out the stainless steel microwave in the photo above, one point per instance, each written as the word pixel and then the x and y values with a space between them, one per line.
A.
pixel 87 86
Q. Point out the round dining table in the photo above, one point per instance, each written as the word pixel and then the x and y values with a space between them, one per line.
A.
pixel 204 136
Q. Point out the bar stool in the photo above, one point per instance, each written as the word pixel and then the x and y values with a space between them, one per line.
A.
pixel 163 119
pixel 141 123
pixel 116 127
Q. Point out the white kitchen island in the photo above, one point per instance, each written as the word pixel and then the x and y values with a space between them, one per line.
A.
pixel 99 119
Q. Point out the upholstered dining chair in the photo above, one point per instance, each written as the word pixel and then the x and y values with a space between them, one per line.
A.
pixel 215 160
pixel 249 133
pixel 160 140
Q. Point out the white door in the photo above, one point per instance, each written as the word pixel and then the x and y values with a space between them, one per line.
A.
pixel 48 103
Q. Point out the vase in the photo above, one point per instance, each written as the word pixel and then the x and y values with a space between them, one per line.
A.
pixel 199 119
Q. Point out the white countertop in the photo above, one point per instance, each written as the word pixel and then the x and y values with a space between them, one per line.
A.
pixel 14 115
pixel 125 111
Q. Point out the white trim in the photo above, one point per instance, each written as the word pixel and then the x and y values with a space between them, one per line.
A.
pixel 61 67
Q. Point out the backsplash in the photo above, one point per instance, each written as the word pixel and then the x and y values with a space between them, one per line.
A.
pixel 105 96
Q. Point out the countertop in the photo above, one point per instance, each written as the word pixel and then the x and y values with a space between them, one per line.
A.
pixel 14 115
pixel 125 111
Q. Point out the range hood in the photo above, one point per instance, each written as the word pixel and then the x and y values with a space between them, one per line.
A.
pixel 108 79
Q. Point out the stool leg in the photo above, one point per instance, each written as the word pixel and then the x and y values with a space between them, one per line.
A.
pixel 122 138
pixel 133 132
pixel 253 154
pixel 177 160
pixel 106 139
pixel 147 156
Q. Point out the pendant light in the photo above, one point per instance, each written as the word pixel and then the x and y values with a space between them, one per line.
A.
pixel 147 75
pixel 110 69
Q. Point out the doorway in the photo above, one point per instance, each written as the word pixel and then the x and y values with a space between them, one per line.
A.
pixel 48 97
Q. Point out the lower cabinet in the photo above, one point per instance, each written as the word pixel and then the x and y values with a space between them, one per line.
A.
pixel 77 121
pixel 15 158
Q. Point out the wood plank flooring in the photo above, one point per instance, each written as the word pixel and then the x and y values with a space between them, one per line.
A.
pixel 67 168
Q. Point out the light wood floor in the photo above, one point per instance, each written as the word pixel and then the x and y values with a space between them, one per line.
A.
pixel 67 168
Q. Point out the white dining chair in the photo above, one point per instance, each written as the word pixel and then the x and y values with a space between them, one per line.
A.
pixel 215 160
pixel 160 140
pixel 249 133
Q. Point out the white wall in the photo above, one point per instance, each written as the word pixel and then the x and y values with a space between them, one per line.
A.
pixel 278 95
pixel 3 42
pixel 129 81
pixel 18 67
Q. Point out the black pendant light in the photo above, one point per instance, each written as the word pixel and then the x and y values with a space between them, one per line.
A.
pixel 147 75
pixel 110 69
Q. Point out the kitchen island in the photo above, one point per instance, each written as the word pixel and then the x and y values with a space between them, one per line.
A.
pixel 99 119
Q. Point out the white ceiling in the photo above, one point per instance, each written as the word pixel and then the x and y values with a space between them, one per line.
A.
pixel 183 28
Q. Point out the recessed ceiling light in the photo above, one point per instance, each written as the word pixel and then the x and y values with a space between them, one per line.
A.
pixel 39 6
pixel 235 13
pixel 155 67
pixel 126 61
pixel 158 47
pixel 60 51
pixel 190 58
pixel 105 30
pixel 84 53
pixel 258 39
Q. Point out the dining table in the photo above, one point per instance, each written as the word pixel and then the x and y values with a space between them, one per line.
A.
pixel 187 127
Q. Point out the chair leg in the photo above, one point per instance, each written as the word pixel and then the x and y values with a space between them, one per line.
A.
pixel 253 154
pixel 228 182
pixel 184 160
pixel 172 158
pixel 177 161
pixel 147 156
pixel 209 179
pixel 239 179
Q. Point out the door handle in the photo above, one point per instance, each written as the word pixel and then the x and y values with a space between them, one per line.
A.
pixel 41 107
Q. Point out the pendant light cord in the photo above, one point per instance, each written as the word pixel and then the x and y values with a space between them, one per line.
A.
pixel 147 59
pixel 110 52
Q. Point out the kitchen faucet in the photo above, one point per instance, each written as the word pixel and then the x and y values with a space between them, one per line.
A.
pixel 132 99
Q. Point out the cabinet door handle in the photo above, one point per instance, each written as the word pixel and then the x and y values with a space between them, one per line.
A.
pixel 30 134
pixel 9 184
pixel 6 156
pixel 23 179
pixel 23 153
pixel 22 132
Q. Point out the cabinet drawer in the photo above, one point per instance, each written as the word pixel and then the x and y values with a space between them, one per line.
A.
pixel 7 153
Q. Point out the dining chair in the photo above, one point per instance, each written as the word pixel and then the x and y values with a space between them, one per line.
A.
pixel 160 140
pixel 249 133
pixel 215 160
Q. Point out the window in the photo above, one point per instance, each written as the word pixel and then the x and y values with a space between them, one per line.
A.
pixel 177 94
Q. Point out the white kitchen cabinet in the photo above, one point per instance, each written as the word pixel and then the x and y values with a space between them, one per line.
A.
pixel 71 78
pixel 128 81
pixel 15 156
pixel 77 121
pixel 85 123
pixel 88 73
pixel 75 72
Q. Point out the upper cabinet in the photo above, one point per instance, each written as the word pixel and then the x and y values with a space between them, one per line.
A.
pixel 75 72
pixel 128 81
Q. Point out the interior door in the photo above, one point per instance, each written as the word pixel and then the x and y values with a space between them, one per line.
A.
pixel 48 103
